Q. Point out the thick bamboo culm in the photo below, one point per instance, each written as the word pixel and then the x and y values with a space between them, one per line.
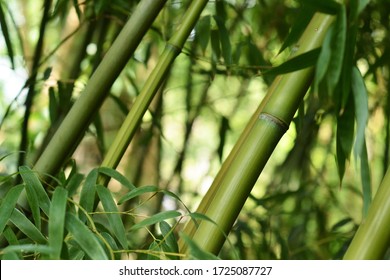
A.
pixel 154 81
pixel 372 239
pixel 73 127
pixel 230 189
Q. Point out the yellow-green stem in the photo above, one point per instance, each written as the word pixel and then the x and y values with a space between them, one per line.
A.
pixel 229 193
pixel 372 239
pixel 133 119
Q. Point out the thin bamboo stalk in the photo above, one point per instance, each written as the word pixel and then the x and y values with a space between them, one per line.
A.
pixel 71 131
pixel 231 189
pixel 133 119
pixel 372 239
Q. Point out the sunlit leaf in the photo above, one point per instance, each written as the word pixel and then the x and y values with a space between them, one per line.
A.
pixel 85 238
pixel 113 215
pixel 8 204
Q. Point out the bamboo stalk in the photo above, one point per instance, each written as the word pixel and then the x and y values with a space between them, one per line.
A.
pixel 229 192
pixel 133 119
pixel 71 131
pixel 372 239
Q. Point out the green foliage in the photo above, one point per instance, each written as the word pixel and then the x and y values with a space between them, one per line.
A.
pixel 96 234
pixel 305 205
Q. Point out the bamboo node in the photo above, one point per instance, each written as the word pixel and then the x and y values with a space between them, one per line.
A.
pixel 274 120
pixel 176 50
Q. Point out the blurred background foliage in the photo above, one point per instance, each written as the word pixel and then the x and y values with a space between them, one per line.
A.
pixel 299 208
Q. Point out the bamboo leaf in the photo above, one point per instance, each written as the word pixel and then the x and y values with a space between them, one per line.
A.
pixel 362 4
pixel 6 35
pixel 137 192
pixel 215 47
pixel 25 226
pixel 157 218
pixel 117 176
pixel 345 136
pixel 8 205
pixel 324 6
pixel 28 248
pixel 85 238
pixel 298 27
pixel 361 106
pixel 226 47
pixel 31 180
pixel 113 216
pixel 57 221
pixel 202 34
pixel 296 63
pixel 323 58
pixel 337 49
pixel 195 251
pixel 366 180
pixel 169 237
pixel 87 195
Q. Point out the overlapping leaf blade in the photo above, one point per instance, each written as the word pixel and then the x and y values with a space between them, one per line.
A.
pixel 113 215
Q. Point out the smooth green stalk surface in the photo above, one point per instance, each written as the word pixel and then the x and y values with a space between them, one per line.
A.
pixel 133 119
pixel 372 239
pixel 230 191
pixel 72 129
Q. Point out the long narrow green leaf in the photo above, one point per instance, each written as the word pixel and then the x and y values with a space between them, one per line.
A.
pixel 88 192
pixel 338 49
pixel 57 221
pixel 169 237
pixel 195 251
pixel 366 180
pixel 361 107
pixel 300 23
pixel 324 6
pixel 117 176
pixel 31 180
pixel 296 63
pixel 226 47
pixel 25 226
pixel 6 35
pixel 323 59
pixel 28 248
pixel 157 218
pixel 137 192
pixel 8 205
pixel 113 216
pixel 85 238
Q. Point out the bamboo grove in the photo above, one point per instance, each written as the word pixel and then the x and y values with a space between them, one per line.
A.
pixel 164 129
